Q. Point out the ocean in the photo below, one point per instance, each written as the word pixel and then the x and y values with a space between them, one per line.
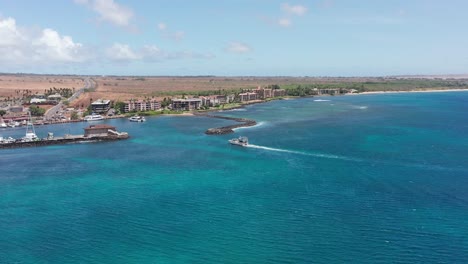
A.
pixel 379 178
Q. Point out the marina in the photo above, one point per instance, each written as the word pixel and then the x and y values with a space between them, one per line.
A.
pixel 93 133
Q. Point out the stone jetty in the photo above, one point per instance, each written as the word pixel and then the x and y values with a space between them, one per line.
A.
pixel 227 129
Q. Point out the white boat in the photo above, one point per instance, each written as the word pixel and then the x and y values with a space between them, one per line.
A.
pixel 3 125
pixel 240 141
pixel 14 124
pixel 93 117
pixel 30 131
pixel 137 118
pixel 6 140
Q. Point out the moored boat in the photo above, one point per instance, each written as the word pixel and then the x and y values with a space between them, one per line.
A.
pixel 137 118
pixel 30 131
pixel 240 141
pixel 93 117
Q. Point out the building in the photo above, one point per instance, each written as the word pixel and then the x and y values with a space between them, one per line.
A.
pixel 141 105
pixel 329 91
pixel 186 104
pixel 263 93
pixel 38 99
pixel 16 109
pixel 244 97
pixel 206 101
pixel 98 130
pixel 100 106
pixel 279 92
pixel 54 97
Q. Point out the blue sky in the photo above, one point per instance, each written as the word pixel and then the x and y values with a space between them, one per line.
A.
pixel 234 38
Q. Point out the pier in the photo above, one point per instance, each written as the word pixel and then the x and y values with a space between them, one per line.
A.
pixel 93 133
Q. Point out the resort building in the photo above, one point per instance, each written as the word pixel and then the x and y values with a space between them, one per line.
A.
pixel 244 97
pixel 279 92
pixel 206 101
pixel 100 106
pixel 186 104
pixel 263 93
pixel 215 100
pixel 141 105
pixel 329 91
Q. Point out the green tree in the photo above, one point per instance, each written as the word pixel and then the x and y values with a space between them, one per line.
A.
pixel 119 106
pixel 74 115
pixel 36 110
pixel 165 102
pixel 2 113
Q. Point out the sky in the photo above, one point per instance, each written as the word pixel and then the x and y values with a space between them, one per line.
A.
pixel 234 37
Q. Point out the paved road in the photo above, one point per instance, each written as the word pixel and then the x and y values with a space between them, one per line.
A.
pixel 88 84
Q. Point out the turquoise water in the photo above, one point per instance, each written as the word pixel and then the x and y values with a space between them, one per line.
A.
pixel 350 179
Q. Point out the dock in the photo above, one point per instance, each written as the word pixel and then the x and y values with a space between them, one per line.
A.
pixel 93 133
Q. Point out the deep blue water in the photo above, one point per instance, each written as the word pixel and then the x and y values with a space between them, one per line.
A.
pixel 349 179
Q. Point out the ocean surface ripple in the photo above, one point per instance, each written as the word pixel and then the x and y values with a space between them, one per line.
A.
pixel 366 179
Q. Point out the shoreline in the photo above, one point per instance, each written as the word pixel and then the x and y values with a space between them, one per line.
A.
pixel 410 91
pixel 243 105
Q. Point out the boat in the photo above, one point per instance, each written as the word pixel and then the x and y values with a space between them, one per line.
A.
pixel 240 141
pixel 3 125
pixel 13 124
pixel 30 131
pixel 93 117
pixel 137 118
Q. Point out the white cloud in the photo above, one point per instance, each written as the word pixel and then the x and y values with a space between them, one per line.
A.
pixel 9 33
pixel 110 11
pixel 284 22
pixel 21 47
pixel 238 47
pixel 297 10
pixel 162 26
pixel 121 52
pixel 52 46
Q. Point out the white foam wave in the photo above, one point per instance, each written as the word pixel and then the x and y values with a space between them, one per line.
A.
pixel 235 110
pixel 321 100
pixel 360 107
pixel 259 124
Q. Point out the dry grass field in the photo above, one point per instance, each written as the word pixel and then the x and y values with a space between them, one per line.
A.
pixel 120 88
pixel 9 84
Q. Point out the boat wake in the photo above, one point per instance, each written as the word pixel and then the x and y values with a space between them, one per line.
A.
pixel 317 155
pixel 259 124
pixel 321 100
pixel 331 156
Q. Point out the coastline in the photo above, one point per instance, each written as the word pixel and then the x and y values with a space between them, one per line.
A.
pixel 410 91
pixel 242 105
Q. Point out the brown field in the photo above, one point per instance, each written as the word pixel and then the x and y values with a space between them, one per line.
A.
pixel 120 88
pixel 9 84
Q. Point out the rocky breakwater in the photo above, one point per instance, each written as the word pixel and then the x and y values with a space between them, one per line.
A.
pixel 243 122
